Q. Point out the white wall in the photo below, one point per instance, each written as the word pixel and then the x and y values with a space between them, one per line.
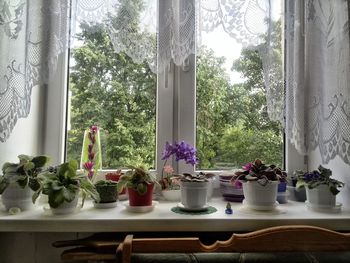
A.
pixel 341 172
pixel 26 137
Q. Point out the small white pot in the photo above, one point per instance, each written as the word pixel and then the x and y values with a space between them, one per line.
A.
pixel 320 196
pixel 194 194
pixel 259 197
pixel 16 197
pixel 66 207
pixel 172 195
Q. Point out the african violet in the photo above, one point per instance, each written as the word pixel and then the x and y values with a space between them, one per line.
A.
pixel 62 184
pixel 200 177
pixel 24 173
pixel 260 172
pixel 316 178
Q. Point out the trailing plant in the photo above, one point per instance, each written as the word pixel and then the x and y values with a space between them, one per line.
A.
pixel 62 184
pixel 137 178
pixel 322 176
pixel 260 172
pixel 24 173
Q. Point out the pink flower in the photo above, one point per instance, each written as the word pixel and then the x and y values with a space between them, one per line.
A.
pixel 168 169
pixel 91 156
pixel 247 166
pixel 94 128
pixel 88 165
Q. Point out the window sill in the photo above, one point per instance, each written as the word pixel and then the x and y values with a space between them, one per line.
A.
pixel 89 219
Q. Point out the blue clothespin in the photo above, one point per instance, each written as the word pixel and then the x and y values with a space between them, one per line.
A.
pixel 228 209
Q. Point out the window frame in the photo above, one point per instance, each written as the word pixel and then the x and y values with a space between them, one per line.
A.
pixel 175 112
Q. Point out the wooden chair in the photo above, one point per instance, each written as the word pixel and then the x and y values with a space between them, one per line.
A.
pixel 298 238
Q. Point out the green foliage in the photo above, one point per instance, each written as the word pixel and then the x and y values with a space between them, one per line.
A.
pixel 62 184
pixel 107 190
pixel 24 173
pixel 137 178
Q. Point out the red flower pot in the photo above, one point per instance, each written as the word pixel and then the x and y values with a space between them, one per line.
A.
pixel 135 199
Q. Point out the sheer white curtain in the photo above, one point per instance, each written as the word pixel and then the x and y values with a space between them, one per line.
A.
pixel 318 77
pixel 32 34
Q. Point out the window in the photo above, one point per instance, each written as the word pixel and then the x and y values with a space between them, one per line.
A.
pixel 139 110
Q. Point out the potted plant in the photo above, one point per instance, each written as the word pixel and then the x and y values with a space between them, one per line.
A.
pixel 321 189
pixel 115 176
pixel 62 185
pixel 170 180
pixel 139 183
pixel 170 184
pixel 295 194
pixel 194 190
pixel 108 193
pixel 260 184
pixel 19 180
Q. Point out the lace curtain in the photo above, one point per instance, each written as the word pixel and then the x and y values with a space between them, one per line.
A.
pixel 32 35
pixel 318 79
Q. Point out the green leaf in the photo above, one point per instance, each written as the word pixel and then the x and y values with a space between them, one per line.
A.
pixel 141 189
pixel 36 195
pixel 300 184
pixel 22 181
pixel 73 164
pixel 40 161
pixel 4 182
pixel 69 194
pixel 333 190
pixel 28 166
pixel 24 158
pixel 56 198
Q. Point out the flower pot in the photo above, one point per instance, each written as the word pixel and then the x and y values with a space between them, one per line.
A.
pixel 320 196
pixel 295 194
pixel 172 195
pixel 16 197
pixel 194 194
pixel 231 192
pixel 282 193
pixel 66 207
pixel 259 197
pixel 108 193
pixel 136 199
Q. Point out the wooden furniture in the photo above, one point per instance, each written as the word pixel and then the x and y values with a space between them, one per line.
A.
pixel 299 238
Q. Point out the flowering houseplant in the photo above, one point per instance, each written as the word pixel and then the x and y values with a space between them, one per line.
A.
pixel 91 157
pixel 316 178
pixel 181 151
pixel 260 172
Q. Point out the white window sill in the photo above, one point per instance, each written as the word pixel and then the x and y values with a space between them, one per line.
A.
pixel 89 219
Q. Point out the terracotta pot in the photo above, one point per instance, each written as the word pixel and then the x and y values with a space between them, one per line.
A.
pixel 135 199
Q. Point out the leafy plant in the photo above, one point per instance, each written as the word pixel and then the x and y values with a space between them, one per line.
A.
pixel 200 177
pixel 138 178
pixel 316 178
pixel 62 184
pixel 24 173
pixel 107 190
pixel 260 172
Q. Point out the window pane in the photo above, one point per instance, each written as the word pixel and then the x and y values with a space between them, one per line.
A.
pixel 233 126
pixel 109 90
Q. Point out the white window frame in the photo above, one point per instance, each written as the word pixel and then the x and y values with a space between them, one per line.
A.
pixel 175 120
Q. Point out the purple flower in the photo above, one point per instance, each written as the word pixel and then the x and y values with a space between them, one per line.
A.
pixel 88 165
pixel 311 176
pixel 182 151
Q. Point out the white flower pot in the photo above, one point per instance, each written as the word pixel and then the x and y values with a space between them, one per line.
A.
pixel 16 197
pixel 320 196
pixel 259 197
pixel 194 194
pixel 172 195
pixel 66 207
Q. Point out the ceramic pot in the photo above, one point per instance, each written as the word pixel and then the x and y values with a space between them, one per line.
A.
pixel 135 199
pixel 260 197
pixel 172 195
pixel 282 193
pixel 194 194
pixel 320 196
pixel 66 207
pixel 16 197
